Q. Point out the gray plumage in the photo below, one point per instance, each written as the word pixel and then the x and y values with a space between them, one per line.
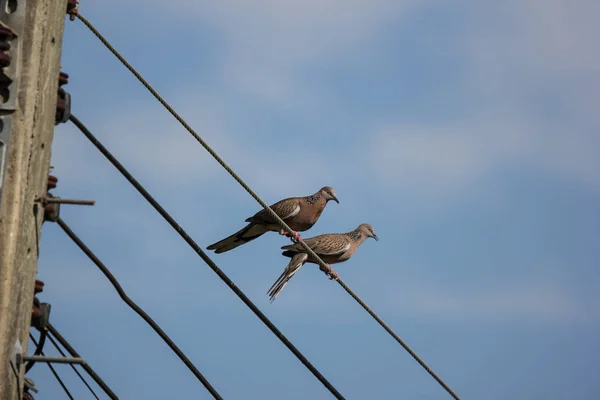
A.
pixel 332 248
pixel 299 213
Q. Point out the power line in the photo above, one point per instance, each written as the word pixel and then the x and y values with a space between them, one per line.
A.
pixel 54 332
pixel 204 144
pixel 204 257
pixel 62 353
pixel 38 349
pixel 62 384
pixel 137 308
pixel 399 340
pixel 281 223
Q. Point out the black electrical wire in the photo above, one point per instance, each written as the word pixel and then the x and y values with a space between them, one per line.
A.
pixel 38 349
pixel 60 381
pixel 203 255
pixel 214 154
pixel 137 308
pixel 56 334
pixel 62 353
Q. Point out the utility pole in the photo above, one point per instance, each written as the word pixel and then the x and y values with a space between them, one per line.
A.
pixel 30 48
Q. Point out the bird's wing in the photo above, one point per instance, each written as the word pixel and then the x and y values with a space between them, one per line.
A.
pixel 243 236
pixel 285 209
pixel 295 264
pixel 330 244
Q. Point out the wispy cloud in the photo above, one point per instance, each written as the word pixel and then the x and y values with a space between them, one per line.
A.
pixel 528 84
pixel 383 100
pixel 154 146
pixel 532 301
pixel 270 51
pixel 452 157
pixel 533 50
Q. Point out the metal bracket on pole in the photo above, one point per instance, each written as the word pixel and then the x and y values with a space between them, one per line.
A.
pixel 54 360
pixel 18 358
pixel 12 18
pixel 14 359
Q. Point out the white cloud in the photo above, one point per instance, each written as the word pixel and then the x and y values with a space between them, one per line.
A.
pixel 532 53
pixel 537 301
pixel 267 50
pixel 155 147
pixel 447 158
pixel 292 31
pixel 564 32
pixel 266 47
pixel 270 44
pixel 174 156
pixel 534 301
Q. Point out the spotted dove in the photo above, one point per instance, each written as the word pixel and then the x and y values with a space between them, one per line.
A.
pixel 332 248
pixel 299 213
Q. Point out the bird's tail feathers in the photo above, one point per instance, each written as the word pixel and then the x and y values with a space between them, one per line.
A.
pixel 289 253
pixel 294 266
pixel 243 236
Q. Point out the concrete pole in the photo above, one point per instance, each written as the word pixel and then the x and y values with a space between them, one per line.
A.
pixel 35 63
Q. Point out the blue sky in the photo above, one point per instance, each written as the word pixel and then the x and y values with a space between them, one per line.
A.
pixel 465 133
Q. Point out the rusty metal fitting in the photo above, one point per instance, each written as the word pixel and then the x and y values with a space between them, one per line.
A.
pixel 72 9
pixel 5 81
pixel 29 386
pixel 5 36
pixel 63 107
pixel 63 100
pixel 63 79
pixel 52 204
pixel 5 59
pixel 58 200
pixel 40 314
pixel 52 182
pixel 39 286
pixel 51 211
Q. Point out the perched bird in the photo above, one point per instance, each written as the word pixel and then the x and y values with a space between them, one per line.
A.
pixel 299 213
pixel 332 248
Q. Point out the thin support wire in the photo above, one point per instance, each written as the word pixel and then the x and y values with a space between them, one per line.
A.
pixel 272 213
pixel 54 332
pixel 62 384
pixel 204 257
pixel 18 380
pixel 38 350
pixel 199 139
pixel 62 353
pixel 138 309
pixel 399 340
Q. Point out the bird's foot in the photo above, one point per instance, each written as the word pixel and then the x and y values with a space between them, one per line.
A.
pixel 296 237
pixel 333 275
pixel 330 272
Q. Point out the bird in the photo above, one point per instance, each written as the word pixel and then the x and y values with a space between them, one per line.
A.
pixel 299 213
pixel 332 248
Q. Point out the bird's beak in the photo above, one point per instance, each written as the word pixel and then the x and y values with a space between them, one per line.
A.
pixel 375 237
pixel 335 199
